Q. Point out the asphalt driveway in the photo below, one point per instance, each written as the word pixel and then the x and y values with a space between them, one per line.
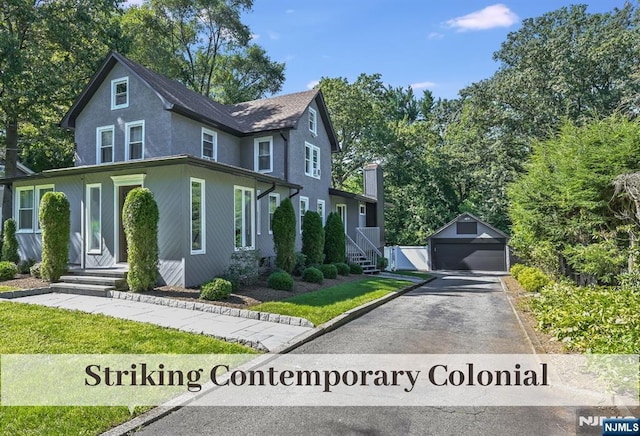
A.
pixel 456 313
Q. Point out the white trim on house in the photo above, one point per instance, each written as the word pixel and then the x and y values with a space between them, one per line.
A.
pixel 276 197
pixel 114 94
pixel 127 141
pixel 118 181
pixel 258 213
pixel 89 212
pixel 244 220
pixel 312 160
pixel 214 144
pixel 256 154
pixel 313 121
pixel 341 210
pixel 321 209
pixel 38 196
pixel 100 146
pixel 303 209
pixel 203 217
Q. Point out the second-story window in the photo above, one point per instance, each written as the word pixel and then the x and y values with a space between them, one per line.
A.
pixel 120 93
pixel 134 145
pixel 312 160
pixel 104 144
pixel 209 144
pixel 313 121
pixel 263 154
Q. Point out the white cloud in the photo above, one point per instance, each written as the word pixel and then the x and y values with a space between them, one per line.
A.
pixel 273 35
pixel 497 15
pixel 313 84
pixel 422 85
pixel 435 35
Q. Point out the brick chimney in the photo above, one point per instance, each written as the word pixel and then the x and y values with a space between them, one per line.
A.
pixel 374 188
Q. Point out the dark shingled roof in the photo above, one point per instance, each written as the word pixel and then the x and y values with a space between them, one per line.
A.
pixel 276 113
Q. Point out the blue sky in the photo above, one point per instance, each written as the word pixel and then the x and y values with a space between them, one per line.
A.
pixel 443 46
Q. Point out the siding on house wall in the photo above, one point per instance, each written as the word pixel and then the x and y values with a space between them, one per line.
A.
pixel 353 216
pixel 483 232
pixel 186 138
pixel 143 105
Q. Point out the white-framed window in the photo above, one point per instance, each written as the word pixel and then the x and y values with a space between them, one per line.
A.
pixel 104 144
pixel 320 209
pixel 313 121
pixel 341 210
pixel 362 208
pixel 27 207
pixel 198 216
pixel 244 216
pixel 120 93
pixel 40 191
pixel 93 236
pixel 274 202
pixel 263 154
pixel 209 144
pixel 258 213
pixel 134 140
pixel 304 207
pixel 311 160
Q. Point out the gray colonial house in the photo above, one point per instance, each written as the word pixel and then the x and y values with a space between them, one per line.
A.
pixel 217 173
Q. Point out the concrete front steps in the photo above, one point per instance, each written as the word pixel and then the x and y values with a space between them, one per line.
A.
pixel 97 282
pixel 367 266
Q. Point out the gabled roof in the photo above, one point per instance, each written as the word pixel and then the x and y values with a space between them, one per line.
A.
pixel 467 214
pixel 243 119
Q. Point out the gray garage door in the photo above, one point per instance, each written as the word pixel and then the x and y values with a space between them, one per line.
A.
pixel 469 256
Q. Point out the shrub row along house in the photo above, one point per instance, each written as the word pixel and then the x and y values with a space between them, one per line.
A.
pixel 217 173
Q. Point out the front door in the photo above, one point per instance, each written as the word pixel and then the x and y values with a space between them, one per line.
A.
pixel 122 240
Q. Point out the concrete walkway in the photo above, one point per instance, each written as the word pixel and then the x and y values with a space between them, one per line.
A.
pixel 269 335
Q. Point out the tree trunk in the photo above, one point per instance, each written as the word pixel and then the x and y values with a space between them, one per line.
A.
pixel 10 167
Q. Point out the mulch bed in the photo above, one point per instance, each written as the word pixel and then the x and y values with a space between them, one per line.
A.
pixel 25 281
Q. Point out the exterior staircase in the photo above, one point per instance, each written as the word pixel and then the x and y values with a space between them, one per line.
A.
pixel 367 266
pixel 363 251
pixel 98 282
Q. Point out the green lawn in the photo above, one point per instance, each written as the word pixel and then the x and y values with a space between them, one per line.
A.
pixel 8 288
pixel 325 304
pixel 34 329
pixel 420 275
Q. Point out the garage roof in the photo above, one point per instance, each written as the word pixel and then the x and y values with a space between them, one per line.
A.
pixel 461 218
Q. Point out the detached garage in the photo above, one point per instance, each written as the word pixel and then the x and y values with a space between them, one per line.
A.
pixel 467 243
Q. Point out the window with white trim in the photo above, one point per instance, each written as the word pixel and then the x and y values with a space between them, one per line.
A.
pixel 341 210
pixel 263 154
pixel 311 160
pixel 40 191
pixel 134 141
pixel 27 207
pixel 94 218
pixel 104 144
pixel 244 216
pixel 198 216
pixel 120 93
pixel 313 121
pixel 304 207
pixel 320 209
pixel 274 202
pixel 363 209
pixel 209 143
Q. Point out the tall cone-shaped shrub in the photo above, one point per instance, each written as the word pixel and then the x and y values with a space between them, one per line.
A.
pixel 284 235
pixel 55 223
pixel 140 218
pixel 10 242
pixel 312 238
pixel 335 247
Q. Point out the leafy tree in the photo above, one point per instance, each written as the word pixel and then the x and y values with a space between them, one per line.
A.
pixel 284 235
pixel 335 247
pixel 312 238
pixel 55 221
pixel 204 45
pixel 140 219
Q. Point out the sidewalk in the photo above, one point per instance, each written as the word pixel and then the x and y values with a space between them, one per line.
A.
pixel 260 334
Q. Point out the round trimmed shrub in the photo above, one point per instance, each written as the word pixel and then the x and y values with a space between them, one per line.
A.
pixel 280 280
pixel 55 223
pixel 140 218
pixel 516 270
pixel 532 279
pixel 312 237
pixel 216 289
pixel 284 235
pixel 383 263
pixel 312 275
pixel 335 246
pixel 343 268
pixel 301 262
pixel 329 271
pixel 8 270
pixel 10 242
pixel 36 270
pixel 24 267
pixel 355 268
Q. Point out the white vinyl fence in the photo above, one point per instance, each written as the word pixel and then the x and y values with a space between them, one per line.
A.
pixel 407 258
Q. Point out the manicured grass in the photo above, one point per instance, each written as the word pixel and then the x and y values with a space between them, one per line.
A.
pixel 325 304
pixel 8 288
pixel 28 329
pixel 420 275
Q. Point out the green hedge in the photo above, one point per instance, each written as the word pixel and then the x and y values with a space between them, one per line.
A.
pixel 312 275
pixel 516 270
pixel 312 238
pixel 280 280
pixel 329 271
pixel 140 218
pixel 10 242
pixel 343 268
pixel 55 223
pixel 284 235
pixel 355 268
pixel 533 279
pixel 8 270
pixel 216 289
